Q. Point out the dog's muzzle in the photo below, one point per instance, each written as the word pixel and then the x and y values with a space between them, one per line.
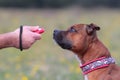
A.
pixel 61 40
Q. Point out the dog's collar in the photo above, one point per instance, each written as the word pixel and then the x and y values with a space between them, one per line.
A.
pixel 97 64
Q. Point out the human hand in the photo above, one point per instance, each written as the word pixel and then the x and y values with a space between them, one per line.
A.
pixel 30 35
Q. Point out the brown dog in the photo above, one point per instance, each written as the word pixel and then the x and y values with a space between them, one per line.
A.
pixel 96 61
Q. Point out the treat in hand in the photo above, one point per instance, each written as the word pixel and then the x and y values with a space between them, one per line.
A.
pixel 39 31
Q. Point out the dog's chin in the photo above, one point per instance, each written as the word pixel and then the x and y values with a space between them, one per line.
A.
pixel 65 46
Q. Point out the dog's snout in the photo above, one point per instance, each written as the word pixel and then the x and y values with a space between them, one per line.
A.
pixel 56 31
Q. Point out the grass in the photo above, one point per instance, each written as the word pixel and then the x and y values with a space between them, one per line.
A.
pixel 45 60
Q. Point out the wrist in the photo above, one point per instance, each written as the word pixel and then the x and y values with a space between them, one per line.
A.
pixel 20 38
pixel 14 40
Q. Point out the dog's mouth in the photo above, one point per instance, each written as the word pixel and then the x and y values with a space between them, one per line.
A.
pixel 61 40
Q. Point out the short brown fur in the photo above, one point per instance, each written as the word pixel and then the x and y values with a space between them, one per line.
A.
pixel 88 47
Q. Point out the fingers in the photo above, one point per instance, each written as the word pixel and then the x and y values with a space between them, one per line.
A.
pixel 31 28
pixel 36 36
pixel 35 29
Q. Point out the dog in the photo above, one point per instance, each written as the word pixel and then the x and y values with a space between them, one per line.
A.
pixel 95 59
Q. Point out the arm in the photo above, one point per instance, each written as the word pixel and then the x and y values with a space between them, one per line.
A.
pixel 11 39
pixel 6 40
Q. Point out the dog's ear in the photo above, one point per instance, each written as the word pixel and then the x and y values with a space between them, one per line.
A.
pixel 91 28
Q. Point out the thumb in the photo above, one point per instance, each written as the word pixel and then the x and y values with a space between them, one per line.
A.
pixel 34 28
pixel 31 28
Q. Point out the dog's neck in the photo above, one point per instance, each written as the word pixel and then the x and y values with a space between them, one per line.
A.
pixel 94 51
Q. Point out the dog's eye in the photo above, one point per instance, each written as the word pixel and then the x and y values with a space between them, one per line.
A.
pixel 72 30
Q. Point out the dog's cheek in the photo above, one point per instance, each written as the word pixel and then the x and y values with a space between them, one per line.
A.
pixel 76 48
pixel 79 45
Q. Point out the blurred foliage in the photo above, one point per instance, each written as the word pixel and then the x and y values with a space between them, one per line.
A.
pixel 59 3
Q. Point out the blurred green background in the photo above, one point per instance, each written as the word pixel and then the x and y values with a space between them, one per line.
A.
pixel 45 60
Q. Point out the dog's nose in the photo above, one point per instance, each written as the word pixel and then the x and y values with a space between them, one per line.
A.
pixel 56 32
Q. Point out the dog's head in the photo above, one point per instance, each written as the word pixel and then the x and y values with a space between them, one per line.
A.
pixel 76 38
